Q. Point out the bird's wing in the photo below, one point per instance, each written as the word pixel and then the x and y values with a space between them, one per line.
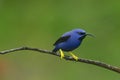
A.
pixel 62 39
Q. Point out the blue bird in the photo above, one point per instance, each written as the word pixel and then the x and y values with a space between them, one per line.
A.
pixel 70 41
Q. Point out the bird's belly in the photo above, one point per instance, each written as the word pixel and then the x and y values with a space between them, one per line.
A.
pixel 69 46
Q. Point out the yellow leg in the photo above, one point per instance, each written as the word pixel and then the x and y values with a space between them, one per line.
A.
pixel 61 53
pixel 75 57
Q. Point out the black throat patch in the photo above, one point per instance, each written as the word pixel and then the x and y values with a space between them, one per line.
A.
pixel 82 37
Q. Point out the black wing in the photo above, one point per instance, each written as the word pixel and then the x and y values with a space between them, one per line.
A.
pixel 62 39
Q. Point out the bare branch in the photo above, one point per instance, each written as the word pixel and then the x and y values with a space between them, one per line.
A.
pixel 88 61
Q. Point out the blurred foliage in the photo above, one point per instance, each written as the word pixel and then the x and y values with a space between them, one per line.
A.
pixel 38 23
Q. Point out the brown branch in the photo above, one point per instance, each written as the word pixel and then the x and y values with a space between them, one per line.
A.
pixel 88 61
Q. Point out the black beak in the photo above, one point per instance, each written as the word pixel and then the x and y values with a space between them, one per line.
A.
pixel 88 34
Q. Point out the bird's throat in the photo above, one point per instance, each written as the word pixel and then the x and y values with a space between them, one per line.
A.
pixel 81 38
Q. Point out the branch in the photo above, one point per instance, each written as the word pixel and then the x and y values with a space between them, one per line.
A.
pixel 88 61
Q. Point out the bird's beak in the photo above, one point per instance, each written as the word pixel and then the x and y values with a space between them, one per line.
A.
pixel 88 34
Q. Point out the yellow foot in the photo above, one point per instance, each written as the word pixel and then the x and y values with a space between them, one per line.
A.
pixel 75 57
pixel 61 54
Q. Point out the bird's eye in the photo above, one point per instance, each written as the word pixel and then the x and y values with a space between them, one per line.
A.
pixel 81 33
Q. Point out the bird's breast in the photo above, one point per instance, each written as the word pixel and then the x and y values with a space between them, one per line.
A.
pixel 74 42
pixel 70 44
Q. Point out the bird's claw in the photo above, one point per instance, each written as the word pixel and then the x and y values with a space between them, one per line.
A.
pixel 61 54
pixel 74 56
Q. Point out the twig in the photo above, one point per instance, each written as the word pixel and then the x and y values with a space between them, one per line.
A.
pixel 88 61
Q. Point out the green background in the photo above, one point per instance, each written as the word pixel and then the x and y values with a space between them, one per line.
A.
pixel 39 23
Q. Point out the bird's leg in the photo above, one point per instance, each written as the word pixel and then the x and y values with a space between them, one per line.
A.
pixel 61 53
pixel 74 56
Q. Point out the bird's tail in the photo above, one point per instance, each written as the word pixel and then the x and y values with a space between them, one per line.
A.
pixel 55 50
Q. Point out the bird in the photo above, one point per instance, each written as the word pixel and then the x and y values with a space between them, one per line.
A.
pixel 69 41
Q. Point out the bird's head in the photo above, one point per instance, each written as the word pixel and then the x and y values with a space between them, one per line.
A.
pixel 82 33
